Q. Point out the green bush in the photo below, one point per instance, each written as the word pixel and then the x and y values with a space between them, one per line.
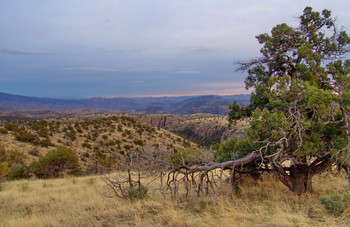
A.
pixel 336 204
pixel 45 142
pixel 188 155
pixel 4 169
pixel 18 172
pixel 138 142
pixel 10 126
pixel 137 193
pixel 15 163
pixel 55 163
pixel 3 131
pixel 25 136
pixel 12 157
pixel 233 149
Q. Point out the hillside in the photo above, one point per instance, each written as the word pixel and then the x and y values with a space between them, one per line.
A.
pixel 10 104
pixel 101 141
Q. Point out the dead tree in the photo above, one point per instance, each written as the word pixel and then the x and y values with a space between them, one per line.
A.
pixel 140 169
pixel 208 178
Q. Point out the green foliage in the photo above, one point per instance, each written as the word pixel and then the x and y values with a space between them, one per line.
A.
pixel 238 112
pixel 186 156
pixel 138 142
pixel 4 169
pixel 301 101
pixel 18 172
pixel 15 163
pixel 137 193
pixel 336 204
pixel 71 135
pixel 3 131
pixel 11 126
pixel 301 88
pixel 12 157
pixel 233 149
pixel 25 136
pixel 45 142
pixel 105 162
pixel 55 163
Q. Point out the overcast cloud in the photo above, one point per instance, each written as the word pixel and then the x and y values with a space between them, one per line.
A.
pixel 84 48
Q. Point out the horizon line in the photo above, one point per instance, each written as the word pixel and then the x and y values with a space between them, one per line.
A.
pixel 132 96
pixel 164 95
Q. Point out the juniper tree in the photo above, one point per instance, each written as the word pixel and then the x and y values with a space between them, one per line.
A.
pixel 301 98
pixel 299 110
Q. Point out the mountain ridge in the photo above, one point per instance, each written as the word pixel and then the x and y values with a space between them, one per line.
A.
pixel 213 104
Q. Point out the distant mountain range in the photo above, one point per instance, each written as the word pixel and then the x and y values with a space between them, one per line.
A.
pixel 148 105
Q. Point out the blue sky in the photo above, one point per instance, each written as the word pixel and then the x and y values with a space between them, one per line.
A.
pixel 118 48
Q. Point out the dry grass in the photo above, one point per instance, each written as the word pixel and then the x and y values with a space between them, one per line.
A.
pixel 77 202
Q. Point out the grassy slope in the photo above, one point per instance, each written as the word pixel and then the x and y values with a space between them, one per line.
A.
pixel 78 202
pixel 93 129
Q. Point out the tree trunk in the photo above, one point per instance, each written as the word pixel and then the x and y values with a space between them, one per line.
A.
pixel 300 179
pixel 297 177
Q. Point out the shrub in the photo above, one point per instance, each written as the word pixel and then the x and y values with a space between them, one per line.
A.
pixel 12 157
pixel 233 149
pixel 189 155
pixel 127 147
pixel 45 142
pixel 138 142
pixel 336 204
pixel 11 126
pixel 86 145
pixel 55 163
pixel 25 136
pixel 137 193
pixel 18 172
pixel 4 169
pixel 71 135
pixel 3 131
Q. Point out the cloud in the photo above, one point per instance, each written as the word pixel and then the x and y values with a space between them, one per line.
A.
pixel 90 69
pixel 200 50
pixel 20 52
pixel 148 69
pixel 187 72
pixel 225 88
pixel 123 51
pixel 224 85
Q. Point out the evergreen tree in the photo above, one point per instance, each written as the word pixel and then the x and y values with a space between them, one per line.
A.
pixel 301 98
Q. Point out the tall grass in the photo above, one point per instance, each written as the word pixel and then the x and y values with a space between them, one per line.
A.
pixel 78 202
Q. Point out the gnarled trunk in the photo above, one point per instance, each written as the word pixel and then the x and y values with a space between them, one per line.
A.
pixel 298 177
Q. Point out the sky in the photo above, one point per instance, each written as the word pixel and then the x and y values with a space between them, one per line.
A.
pixel 135 48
